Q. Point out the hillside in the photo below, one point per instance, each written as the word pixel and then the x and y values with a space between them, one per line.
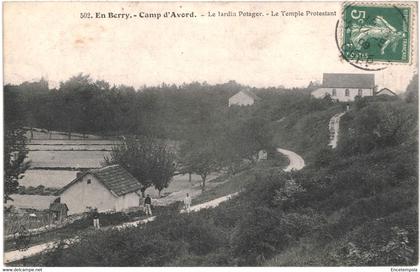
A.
pixel 365 192
pixel 353 205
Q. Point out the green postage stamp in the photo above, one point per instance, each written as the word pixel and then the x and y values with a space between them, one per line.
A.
pixel 378 32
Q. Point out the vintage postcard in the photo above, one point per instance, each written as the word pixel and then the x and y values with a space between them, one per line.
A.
pixel 210 134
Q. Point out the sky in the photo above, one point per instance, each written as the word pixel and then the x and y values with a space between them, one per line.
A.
pixel 50 40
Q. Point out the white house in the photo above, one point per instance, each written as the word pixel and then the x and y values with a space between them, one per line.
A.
pixel 345 87
pixel 243 98
pixel 107 188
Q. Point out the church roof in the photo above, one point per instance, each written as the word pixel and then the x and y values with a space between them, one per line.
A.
pixel 339 80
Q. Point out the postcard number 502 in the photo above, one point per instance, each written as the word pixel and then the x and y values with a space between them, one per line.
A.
pixel 85 15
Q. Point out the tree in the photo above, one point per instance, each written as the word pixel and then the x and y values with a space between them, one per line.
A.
pixel 163 167
pixel 412 91
pixel 199 158
pixel 14 144
pixel 148 159
pixel 243 138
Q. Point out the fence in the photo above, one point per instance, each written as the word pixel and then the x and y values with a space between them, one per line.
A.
pixel 14 221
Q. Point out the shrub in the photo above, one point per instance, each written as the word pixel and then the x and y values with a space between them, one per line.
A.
pixel 198 234
pixel 220 257
pixel 389 241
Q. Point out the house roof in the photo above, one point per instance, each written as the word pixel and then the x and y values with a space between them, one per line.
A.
pixel 250 94
pixel 385 90
pixel 114 177
pixel 336 80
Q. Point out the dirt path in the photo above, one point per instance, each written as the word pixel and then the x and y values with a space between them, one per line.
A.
pixel 334 127
pixel 296 162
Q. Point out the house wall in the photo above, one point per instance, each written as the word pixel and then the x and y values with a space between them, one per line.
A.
pixel 81 195
pixel 126 201
pixel 340 93
pixel 241 99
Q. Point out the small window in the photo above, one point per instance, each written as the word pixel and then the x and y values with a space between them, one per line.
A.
pixel 88 181
pixel 360 92
pixel 347 92
pixel 334 92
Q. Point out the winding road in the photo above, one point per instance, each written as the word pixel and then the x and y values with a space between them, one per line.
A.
pixel 296 162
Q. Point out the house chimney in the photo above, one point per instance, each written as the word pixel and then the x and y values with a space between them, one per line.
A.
pixel 79 174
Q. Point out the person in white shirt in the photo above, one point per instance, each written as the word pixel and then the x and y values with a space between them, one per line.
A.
pixel 187 203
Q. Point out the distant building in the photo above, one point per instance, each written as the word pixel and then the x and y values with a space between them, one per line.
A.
pixel 345 87
pixel 262 155
pixel 386 91
pixel 243 98
pixel 107 188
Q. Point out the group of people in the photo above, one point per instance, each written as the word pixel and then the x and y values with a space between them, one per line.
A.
pixel 147 209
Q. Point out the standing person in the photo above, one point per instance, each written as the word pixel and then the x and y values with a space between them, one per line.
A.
pixel 148 205
pixel 187 203
pixel 96 219
pixel 22 238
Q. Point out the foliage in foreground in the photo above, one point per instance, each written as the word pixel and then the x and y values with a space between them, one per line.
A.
pixel 357 207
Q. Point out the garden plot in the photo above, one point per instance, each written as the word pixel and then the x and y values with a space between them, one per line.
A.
pixel 82 142
pixel 66 159
pixel 70 147
pixel 36 202
pixel 47 178
pixel 47 135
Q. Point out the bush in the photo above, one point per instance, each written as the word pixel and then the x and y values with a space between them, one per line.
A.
pixel 39 190
pixel 265 232
pixel 155 244
pixel 381 205
pixel 389 241
pixel 377 125
pixel 221 257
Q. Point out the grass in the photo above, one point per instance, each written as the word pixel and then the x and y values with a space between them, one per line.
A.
pixel 236 183
pixel 232 185
pixel 304 253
